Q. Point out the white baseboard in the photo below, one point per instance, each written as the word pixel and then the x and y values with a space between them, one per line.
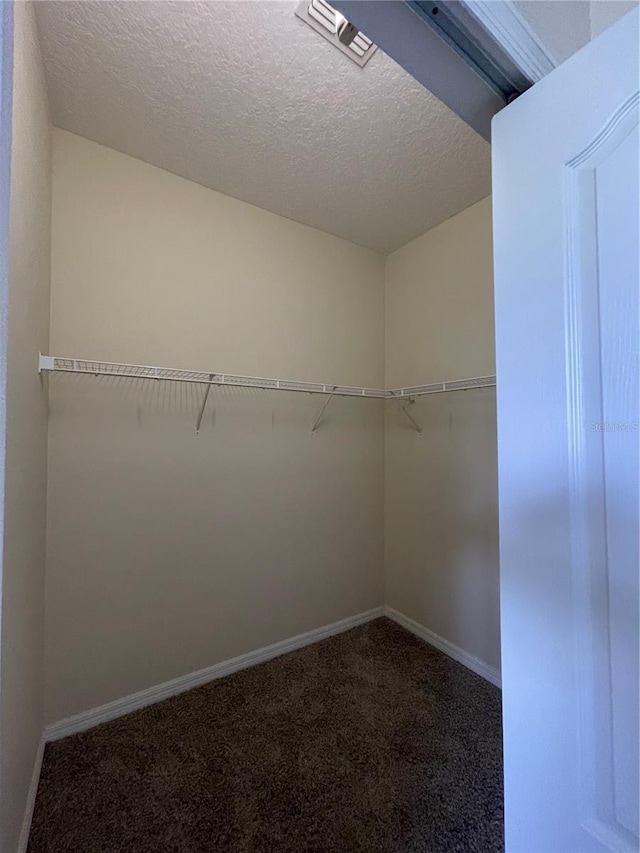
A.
pixel 473 663
pixel 31 798
pixel 120 707
pixel 135 701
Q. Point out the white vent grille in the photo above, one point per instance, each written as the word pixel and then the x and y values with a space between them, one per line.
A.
pixel 325 20
pixel 324 15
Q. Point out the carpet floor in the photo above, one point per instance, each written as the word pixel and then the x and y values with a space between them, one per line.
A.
pixel 369 741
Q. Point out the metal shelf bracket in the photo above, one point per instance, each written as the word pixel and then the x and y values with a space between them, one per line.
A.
pixel 56 364
pixel 316 423
pixel 204 403
pixel 409 418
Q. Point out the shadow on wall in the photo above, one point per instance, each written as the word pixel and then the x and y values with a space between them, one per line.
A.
pixel 441 519
pixel 117 397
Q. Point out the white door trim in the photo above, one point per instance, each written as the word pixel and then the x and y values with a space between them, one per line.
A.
pixel 502 20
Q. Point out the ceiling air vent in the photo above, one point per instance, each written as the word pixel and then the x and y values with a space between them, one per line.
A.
pixel 335 28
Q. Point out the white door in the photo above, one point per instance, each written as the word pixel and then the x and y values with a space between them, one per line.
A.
pixel 565 196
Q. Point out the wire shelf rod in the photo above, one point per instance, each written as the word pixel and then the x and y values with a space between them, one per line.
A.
pixel 90 367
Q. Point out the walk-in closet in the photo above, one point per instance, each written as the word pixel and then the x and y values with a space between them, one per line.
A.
pixel 251 591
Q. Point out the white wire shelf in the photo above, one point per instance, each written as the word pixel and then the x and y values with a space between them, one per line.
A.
pixel 438 387
pixel 202 377
pixel 56 364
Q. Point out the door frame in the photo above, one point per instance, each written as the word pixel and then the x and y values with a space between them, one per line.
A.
pixel 6 109
pixel 403 31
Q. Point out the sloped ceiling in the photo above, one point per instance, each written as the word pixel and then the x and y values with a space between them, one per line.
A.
pixel 245 98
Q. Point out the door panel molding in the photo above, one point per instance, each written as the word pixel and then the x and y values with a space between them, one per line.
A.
pixel 565 208
pixel 594 573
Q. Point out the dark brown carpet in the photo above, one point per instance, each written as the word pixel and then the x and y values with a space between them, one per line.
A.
pixel 369 741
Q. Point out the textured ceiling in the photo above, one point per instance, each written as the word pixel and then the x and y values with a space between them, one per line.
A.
pixel 245 98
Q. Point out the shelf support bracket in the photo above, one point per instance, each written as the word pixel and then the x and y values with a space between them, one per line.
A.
pixel 204 403
pixel 410 420
pixel 46 362
pixel 316 423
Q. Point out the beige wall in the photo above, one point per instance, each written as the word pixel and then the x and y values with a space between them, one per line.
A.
pixel 21 696
pixel 565 26
pixel 441 514
pixel 605 13
pixel 167 551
